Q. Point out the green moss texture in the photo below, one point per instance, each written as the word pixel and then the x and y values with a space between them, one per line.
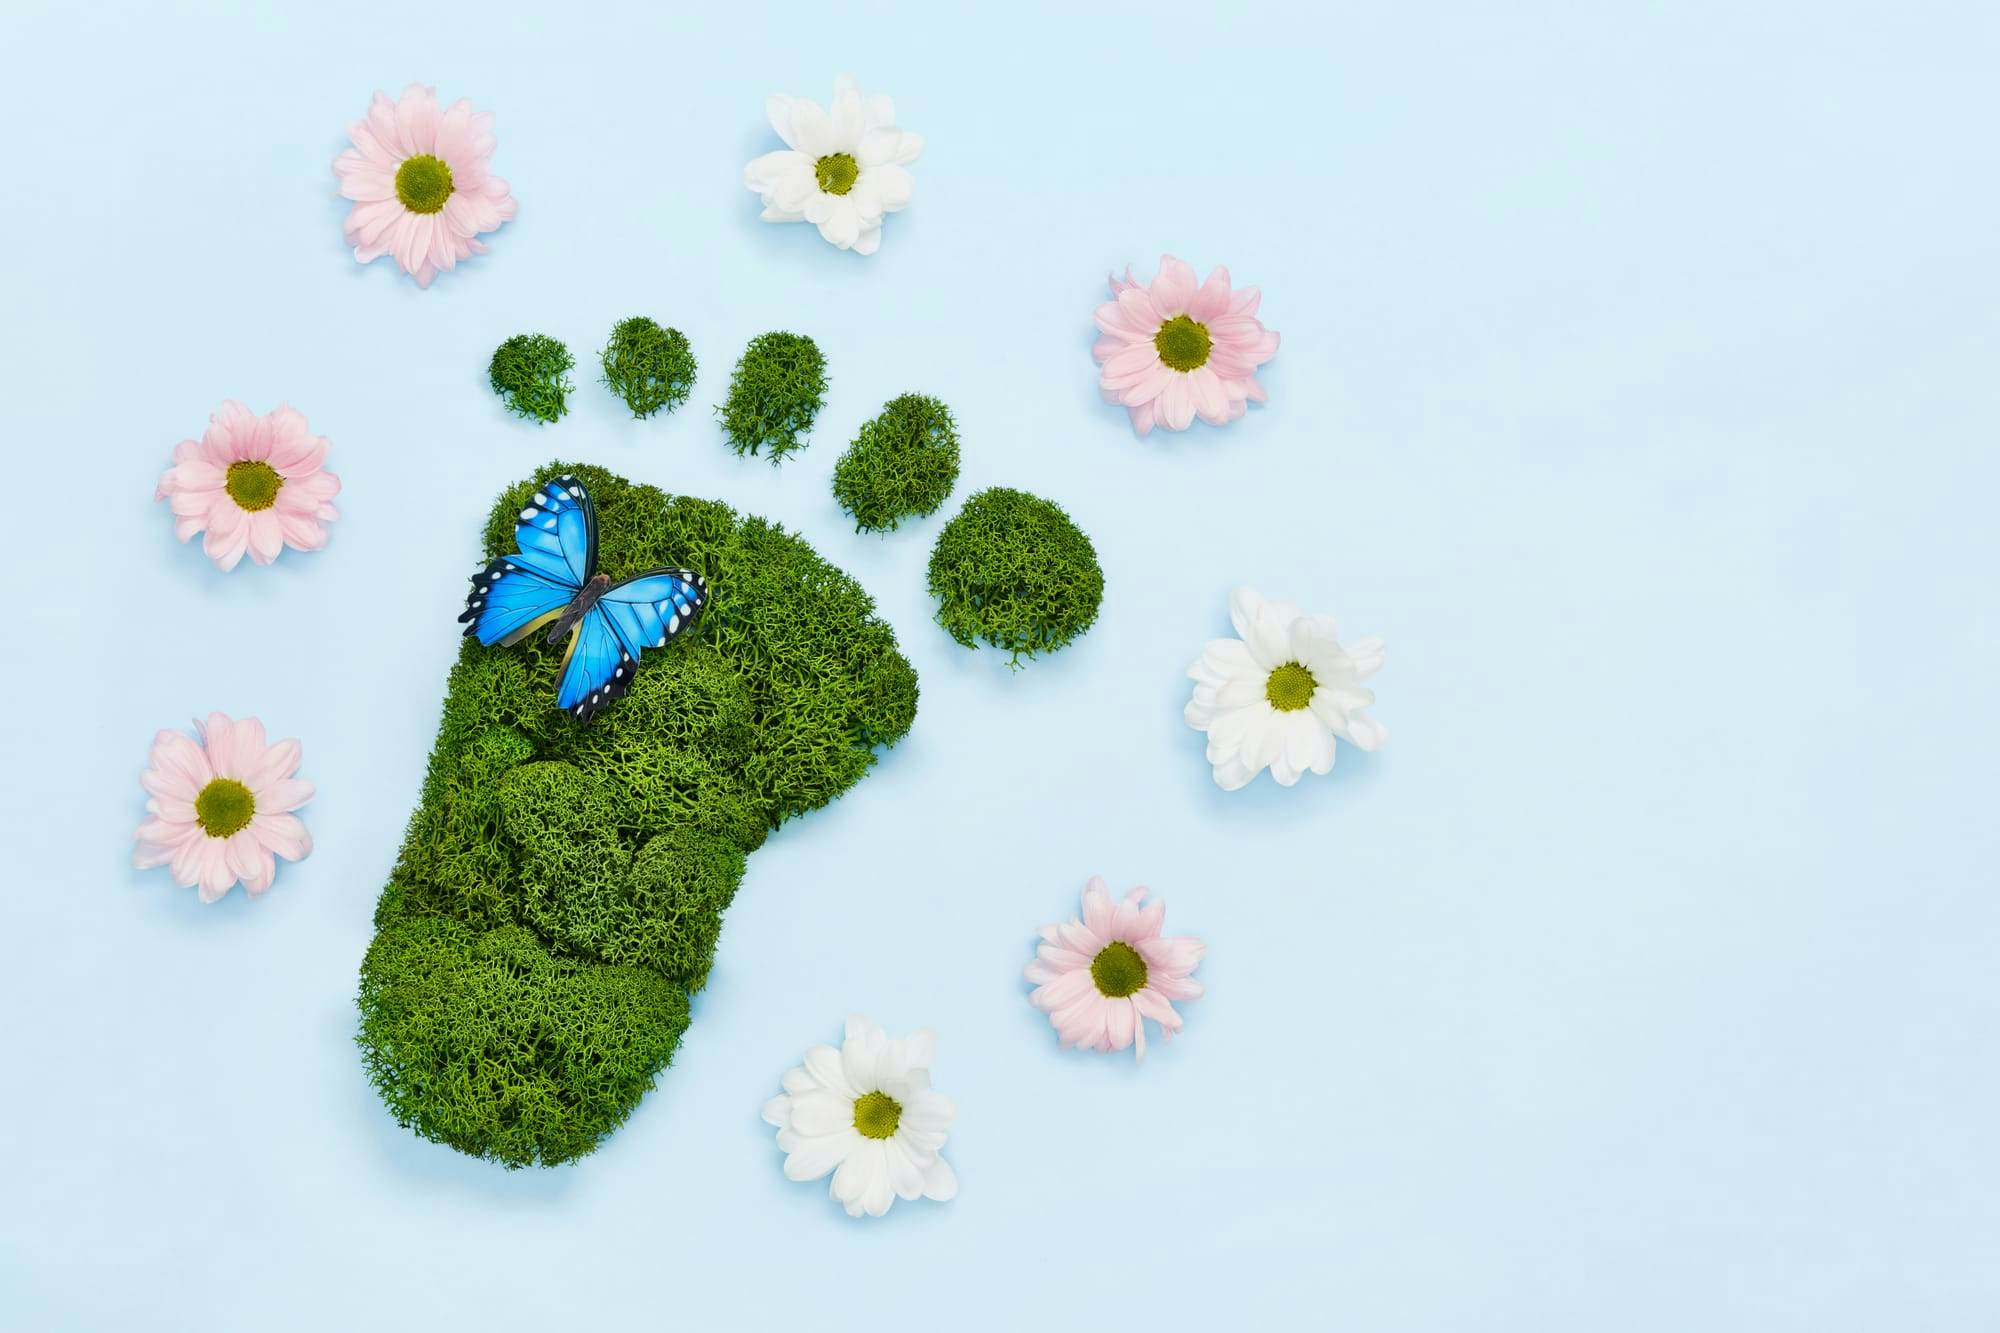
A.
pixel 1013 570
pixel 775 392
pixel 561 886
pixel 649 367
pixel 902 465
pixel 530 372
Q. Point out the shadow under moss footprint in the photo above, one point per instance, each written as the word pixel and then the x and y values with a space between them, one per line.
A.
pixel 560 889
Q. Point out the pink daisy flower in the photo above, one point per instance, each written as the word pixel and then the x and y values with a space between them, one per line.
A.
pixel 1173 351
pixel 221 809
pixel 420 184
pixel 1100 978
pixel 251 484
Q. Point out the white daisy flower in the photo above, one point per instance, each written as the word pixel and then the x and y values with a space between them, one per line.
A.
pixel 866 1113
pixel 1278 696
pixel 842 172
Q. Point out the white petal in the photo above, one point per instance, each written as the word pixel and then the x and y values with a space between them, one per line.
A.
pixel 1244 603
pixel 940 1182
pixel 823 1063
pixel 858 1055
pixel 847 119
pixel 1366 655
pixel 893 187
pixel 821 1112
pixel 877 111
pixel 877 1198
pixel 859 1171
pixel 1308 743
pixel 842 225
pixel 1366 732
pixel 1233 774
pixel 922 1048
pixel 931 1112
pixel 811 133
pixel 1225 660
pixel 778 110
pixel 784 178
pixel 906 1171
pixel 812 1158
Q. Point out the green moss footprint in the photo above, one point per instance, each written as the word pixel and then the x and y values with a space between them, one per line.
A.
pixel 560 889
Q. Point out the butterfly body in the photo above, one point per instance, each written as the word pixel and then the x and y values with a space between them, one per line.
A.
pixel 570 616
pixel 552 579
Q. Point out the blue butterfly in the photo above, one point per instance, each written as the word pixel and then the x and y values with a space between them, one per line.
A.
pixel 553 577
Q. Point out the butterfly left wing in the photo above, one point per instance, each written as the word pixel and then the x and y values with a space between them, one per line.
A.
pixel 640 613
pixel 555 553
pixel 509 601
pixel 556 534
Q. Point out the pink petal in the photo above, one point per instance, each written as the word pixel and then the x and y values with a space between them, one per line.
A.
pixel 178 766
pixel 1063 991
pixel 1081 938
pixel 417 119
pixel 188 861
pixel 1212 301
pixel 219 739
pixel 301 531
pixel 1152 385
pixel 1138 312
pixel 1120 1020
pixel 1174 955
pixel 270 763
pixel 284 834
pixel 1129 363
pixel 283 795
pixel 1177 404
pixel 266 538
pixel 1097 911
pixel 213 875
pixel 1173 288
pixel 1209 399
pixel 244 856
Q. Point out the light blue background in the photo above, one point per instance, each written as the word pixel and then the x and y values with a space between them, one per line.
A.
pixel 1638 385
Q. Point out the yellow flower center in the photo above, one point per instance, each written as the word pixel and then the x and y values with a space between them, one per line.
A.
pixel 1290 688
pixel 223 807
pixel 1118 970
pixel 837 172
pixel 423 183
pixel 1182 344
pixel 876 1115
pixel 252 485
